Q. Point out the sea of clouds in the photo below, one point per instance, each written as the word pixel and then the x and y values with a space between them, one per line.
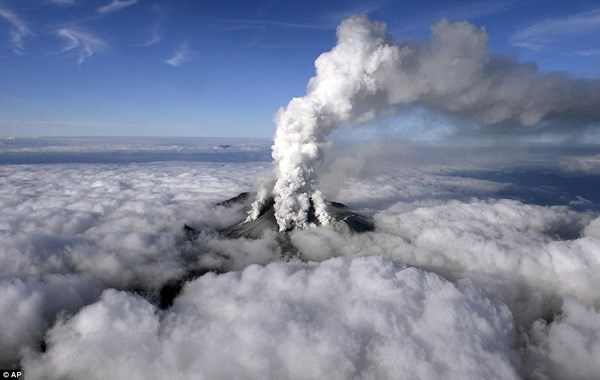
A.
pixel 469 274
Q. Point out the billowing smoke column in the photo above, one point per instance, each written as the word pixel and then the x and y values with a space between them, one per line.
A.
pixel 366 74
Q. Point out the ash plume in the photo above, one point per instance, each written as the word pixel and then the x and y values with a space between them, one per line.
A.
pixel 367 74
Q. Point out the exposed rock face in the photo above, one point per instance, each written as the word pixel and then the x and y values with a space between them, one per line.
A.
pixel 344 219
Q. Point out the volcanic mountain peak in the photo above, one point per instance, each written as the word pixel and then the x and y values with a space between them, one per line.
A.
pixel 343 219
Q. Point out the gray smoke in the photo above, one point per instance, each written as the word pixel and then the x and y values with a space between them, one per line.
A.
pixel 367 74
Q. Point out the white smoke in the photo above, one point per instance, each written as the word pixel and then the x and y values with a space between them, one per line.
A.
pixel 366 73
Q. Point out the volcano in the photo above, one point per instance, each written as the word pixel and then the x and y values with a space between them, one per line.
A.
pixel 344 220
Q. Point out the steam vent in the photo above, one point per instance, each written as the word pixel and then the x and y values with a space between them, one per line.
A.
pixel 344 219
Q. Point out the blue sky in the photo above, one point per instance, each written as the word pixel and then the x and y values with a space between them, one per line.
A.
pixel 223 68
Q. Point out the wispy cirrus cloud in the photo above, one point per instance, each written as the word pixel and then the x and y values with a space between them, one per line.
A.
pixel 18 29
pixel 63 3
pixel 114 6
pixel 588 53
pixel 262 27
pixel 538 36
pixel 81 41
pixel 153 38
pixel 155 32
pixel 258 24
pixel 181 55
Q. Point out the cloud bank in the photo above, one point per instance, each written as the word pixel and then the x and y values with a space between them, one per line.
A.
pixel 454 282
pixel 30 306
pixel 69 231
pixel 567 348
pixel 121 225
pixel 363 318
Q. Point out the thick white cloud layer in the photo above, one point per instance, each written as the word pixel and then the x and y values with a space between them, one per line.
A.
pixel 67 232
pixel 593 229
pixel 29 306
pixel 361 318
pixel 511 250
pixel 122 224
pixel 569 347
